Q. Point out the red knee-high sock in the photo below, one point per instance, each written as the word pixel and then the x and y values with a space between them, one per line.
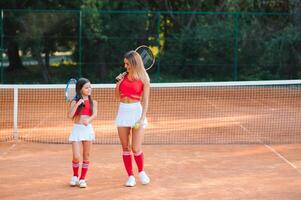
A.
pixel 127 160
pixel 75 166
pixel 139 160
pixel 85 167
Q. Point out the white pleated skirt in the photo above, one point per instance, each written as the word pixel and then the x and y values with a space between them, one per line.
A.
pixel 80 132
pixel 128 114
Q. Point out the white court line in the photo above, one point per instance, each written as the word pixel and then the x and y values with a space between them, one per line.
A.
pixel 8 150
pixel 245 129
pixel 275 152
pixel 268 146
pixel 260 142
pixel 14 145
pixel 283 158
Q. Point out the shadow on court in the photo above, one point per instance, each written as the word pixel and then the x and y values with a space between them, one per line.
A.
pixel 42 171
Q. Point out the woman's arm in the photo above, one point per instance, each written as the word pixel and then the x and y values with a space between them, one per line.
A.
pixel 146 91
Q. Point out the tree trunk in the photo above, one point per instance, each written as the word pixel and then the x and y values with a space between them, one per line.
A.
pixel 45 71
pixel 47 62
pixel 10 26
pixel 103 67
pixel 13 55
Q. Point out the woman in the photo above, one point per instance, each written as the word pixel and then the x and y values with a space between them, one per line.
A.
pixel 82 111
pixel 131 117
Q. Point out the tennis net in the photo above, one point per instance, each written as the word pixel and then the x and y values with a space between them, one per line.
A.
pixel 247 112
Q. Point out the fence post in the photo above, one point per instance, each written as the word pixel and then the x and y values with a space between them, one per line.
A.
pixel 80 31
pixel 1 48
pixel 235 49
pixel 159 46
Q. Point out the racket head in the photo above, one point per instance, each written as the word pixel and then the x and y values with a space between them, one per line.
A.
pixel 147 56
pixel 70 90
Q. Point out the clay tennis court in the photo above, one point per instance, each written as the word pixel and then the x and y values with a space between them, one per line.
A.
pixel 42 171
pixel 201 143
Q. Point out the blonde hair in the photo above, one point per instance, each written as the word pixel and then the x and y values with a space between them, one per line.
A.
pixel 136 62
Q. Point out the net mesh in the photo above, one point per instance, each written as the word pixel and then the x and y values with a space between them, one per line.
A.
pixel 6 113
pixel 196 113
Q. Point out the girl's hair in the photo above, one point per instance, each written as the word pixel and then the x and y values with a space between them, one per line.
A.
pixel 79 85
pixel 136 62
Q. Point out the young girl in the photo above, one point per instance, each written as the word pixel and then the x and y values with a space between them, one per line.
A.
pixel 131 114
pixel 82 111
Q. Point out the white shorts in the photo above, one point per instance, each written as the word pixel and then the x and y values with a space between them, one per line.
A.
pixel 129 114
pixel 80 132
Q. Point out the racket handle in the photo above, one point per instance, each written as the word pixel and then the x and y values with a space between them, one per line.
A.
pixel 120 76
pixel 82 104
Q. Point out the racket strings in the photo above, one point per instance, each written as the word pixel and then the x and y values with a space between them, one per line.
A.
pixel 71 90
pixel 147 57
pixel 71 93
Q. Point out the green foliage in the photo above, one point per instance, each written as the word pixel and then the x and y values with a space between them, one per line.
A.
pixel 268 48
pixel 200 51
pixel 194 46
pixel 32 75
pixel 110 36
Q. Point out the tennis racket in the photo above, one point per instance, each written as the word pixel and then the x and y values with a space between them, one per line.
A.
pixel 70 90
pixel 147 56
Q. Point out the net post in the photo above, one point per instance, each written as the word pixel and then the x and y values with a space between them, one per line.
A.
pixel 15 120
pixel 158 43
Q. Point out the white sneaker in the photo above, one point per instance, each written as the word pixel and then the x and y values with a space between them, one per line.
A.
pixel 144 178
pixel 131 182
pixel 74 181
pixel 82 183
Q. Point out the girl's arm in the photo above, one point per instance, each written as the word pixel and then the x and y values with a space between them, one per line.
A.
pixel 146 91
pixel 94 115
pixel 73 107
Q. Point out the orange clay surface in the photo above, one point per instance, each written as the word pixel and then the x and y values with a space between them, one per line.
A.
pixel 42 171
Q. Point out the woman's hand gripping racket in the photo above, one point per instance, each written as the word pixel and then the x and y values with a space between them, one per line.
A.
pixel 70 91
pixel 147 56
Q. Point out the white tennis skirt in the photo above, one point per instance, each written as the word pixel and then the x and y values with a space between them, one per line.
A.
pixel 129 114
pixel 80 132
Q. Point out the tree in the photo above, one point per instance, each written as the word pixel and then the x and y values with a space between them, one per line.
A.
pixel 33 32
pixel 107 36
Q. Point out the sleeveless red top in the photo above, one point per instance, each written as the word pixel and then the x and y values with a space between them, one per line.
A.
pixel 131 89
pixel 86 109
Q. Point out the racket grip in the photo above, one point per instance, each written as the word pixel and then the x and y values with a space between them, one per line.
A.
pixel 82 104
pixel 120 76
